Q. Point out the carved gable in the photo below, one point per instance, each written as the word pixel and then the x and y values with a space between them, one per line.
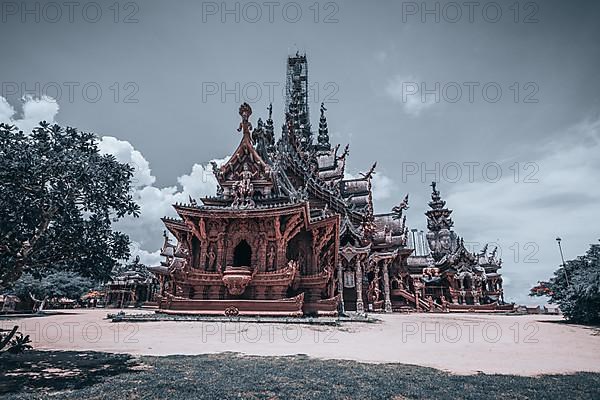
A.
pixel 245 167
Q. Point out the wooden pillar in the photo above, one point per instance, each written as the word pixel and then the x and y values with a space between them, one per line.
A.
pixel 341 286
pixel 221 259
pixel 262 253
pixel 386 287
pixel 417 305
pixel 314 256
pixel 476 297
pixel 360 307
pixel 204 246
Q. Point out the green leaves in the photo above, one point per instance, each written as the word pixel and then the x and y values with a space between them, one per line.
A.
pixel 576 287
pixel 55 285
pixel 59 197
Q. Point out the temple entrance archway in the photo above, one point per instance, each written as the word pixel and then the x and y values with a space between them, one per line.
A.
pixel 299 249
pixel 242 255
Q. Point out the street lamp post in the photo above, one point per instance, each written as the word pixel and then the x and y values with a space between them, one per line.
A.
pixel 558 240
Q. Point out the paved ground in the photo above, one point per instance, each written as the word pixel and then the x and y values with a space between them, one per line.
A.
pixel 463 344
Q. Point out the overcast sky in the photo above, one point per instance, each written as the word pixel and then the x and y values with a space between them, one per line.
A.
pixel 500 104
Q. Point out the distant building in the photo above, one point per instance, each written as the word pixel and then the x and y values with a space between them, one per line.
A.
pixel 447 273
pixel 131 287
pixel 533 309
pixel 552 309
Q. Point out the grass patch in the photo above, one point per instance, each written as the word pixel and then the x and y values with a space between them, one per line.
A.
pixel 55 371
pixel 232 376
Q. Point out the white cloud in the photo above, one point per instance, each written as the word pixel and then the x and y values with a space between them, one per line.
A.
pixel 146 257
pixel 145 232
pixel 525 218
pixel 383 187
pixel 125 153
pixel 157 202
pixel 35 109
pixel 406 90
pixel 6 111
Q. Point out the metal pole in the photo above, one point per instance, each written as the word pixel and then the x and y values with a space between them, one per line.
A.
pixel 414 241
pixel 558 240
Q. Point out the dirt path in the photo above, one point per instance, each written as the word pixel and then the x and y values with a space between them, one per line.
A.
pixel 464 344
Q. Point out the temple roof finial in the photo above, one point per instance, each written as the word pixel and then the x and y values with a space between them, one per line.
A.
pixel 245 112
pixel 323 139
pixel 345 153
pixel 436 200
pixel 398 210
pixel 438 217
pixel 369 174
pixel 269 129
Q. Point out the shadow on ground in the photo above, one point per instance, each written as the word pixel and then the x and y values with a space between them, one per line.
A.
pixel 228 376
pixel 51 371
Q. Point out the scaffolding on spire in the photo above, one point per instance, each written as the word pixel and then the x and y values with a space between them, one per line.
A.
pixel 297 96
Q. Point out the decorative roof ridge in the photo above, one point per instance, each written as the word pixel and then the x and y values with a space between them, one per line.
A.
pixel 362 178
pixel 388 214
pixel 347 225
pixel 256 207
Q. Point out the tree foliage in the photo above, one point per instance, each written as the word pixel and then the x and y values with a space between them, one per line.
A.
pixel 55 285
pixel 59 198
pixel 575 287
pixel 13 341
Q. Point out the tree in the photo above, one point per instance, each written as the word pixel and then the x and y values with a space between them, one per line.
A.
pixel 59 196
pixel 575 287
pixel 55 285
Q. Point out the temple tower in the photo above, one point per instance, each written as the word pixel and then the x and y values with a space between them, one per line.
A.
pixel 297 97
pixel 440 237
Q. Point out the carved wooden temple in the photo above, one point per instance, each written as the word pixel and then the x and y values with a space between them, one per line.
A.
pixel 288 234
pixel 450 277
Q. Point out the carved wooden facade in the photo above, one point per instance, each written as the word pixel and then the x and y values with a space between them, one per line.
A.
pixel 288 234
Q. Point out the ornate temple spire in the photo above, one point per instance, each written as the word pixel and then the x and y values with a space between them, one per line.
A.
pixel 436 202
pixel 439 223
pixel 269 129
pixel 323 139
pixel 261 141
pixel 270 119
pixel 270 133
pixel 438 217
pixel 297 92
pixel 300 125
